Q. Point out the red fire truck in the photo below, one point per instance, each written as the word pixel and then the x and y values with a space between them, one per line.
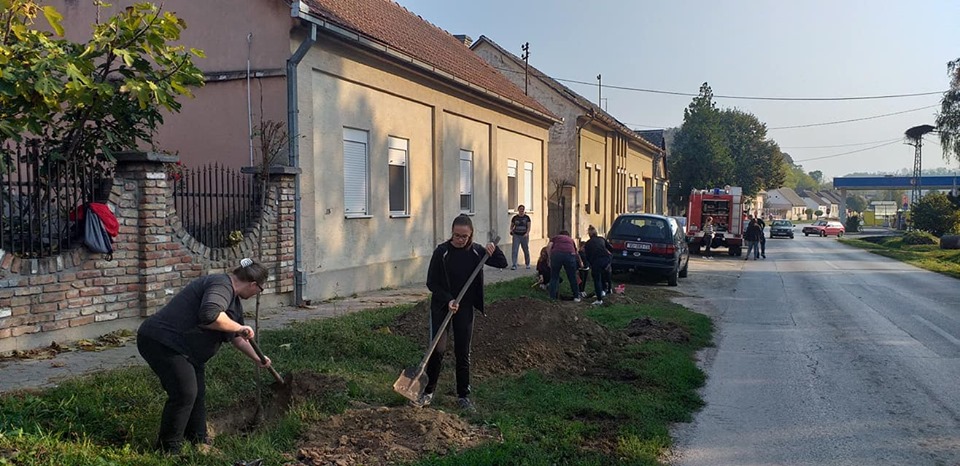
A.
pixel 725 205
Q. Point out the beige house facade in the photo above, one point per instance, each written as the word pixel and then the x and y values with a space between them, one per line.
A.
pixel 398 126
pixel 596 162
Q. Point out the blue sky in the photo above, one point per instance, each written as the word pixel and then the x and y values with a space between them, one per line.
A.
pixel 809 48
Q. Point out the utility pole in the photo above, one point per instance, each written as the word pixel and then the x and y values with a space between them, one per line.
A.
pixel 915 136
pixel 526 62
pixel 599 90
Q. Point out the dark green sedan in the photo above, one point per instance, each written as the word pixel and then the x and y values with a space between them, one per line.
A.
pixel 782 228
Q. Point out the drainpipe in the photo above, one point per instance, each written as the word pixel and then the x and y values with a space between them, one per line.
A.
pixel 579 188
pixel 293 148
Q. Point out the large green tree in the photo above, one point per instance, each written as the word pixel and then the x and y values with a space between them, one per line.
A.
pixel 699 157
pixel 758 162
pixel 948 120
pixel 86 101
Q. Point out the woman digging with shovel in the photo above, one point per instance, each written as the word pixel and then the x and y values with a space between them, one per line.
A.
pixel 178 340
pixel 451 268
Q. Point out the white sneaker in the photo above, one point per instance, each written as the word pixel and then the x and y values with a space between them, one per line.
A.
pixel 576 300
pixel 597 302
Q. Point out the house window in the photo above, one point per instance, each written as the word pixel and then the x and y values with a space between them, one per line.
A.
pixel 528 185
pixel 512 200
pixel 466 181
pixel 596 193
pixel 397 160
pixel 355 174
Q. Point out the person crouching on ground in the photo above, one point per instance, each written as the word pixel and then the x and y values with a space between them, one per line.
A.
pixel 452 264
pixel 543 268
pixel 182 336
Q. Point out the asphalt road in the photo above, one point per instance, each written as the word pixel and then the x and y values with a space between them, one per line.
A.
pixel 825 355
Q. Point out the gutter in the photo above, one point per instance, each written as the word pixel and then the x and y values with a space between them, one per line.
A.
pixel 293 149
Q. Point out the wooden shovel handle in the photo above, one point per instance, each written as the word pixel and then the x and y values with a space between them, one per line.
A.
pixel 263 360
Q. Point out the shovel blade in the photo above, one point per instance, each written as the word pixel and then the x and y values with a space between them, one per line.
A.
pixel 409 385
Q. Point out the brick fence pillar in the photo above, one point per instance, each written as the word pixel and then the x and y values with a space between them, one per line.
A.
pixel 276 226
pixel 143 208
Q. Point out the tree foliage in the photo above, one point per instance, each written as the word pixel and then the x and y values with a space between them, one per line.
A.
pixel 715 148
pixel 758 162
pixel 935 213
pixel 796 178
pixel 699 158
pixel 856 203
pixel 89 100
pixel 948 120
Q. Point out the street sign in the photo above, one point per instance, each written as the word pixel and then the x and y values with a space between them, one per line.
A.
pixel 884 208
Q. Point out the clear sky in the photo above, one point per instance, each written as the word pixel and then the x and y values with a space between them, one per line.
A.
pixel 767 48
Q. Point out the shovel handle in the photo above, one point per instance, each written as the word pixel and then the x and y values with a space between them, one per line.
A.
pixel 263 360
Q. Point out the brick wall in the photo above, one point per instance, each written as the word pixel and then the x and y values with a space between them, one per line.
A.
pixel 79 294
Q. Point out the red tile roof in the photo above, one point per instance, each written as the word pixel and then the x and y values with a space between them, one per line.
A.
pixel 387 22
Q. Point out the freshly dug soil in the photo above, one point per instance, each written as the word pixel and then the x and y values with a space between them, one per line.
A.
pixel 646 328
pixel 298 387
pixel 521 334
pixel 514 336
pixel 380 436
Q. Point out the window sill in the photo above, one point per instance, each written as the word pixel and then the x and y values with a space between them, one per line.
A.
pixel 399 215
pixel 349 216
pixel 468 214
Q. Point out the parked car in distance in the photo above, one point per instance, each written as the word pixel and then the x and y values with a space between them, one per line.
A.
pixel 824 228
pixel 781 228
pixel 648 244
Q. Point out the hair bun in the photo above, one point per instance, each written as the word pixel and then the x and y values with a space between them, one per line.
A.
pixel 246 262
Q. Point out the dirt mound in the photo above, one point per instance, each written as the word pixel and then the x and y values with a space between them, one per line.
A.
pixel 380 436
pixel 646 329
pixel 520 334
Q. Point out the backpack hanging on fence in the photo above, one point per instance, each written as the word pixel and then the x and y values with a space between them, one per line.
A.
pixel 95 235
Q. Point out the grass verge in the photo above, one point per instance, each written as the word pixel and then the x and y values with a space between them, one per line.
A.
pixel 111 418
pixel 927 256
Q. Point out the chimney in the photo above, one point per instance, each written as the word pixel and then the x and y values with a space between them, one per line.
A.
pixel 465 39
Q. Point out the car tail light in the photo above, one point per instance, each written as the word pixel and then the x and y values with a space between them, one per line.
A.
pixel 663 249
pixel 618 244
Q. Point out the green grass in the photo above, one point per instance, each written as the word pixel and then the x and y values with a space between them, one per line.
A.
pixel 545 419
pixel 927 256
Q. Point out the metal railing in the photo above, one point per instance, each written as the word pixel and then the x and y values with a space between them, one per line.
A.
pixel 217 205
pixel 39 199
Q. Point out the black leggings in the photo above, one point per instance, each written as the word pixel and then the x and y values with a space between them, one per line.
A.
pixel 462 324
pixel 184 415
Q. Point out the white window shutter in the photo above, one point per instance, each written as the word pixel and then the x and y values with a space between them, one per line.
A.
pixel 354 171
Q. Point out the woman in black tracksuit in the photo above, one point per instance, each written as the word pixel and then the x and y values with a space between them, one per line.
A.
pixel 451 265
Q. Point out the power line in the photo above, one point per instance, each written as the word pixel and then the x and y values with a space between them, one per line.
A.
pixel 742 97
pixel 854 119
pixel 841 145
pixel 848 153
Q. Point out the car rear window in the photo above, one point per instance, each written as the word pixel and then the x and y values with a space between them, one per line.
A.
pixel 644 228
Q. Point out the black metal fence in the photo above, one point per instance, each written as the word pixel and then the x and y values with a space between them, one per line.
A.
pixel 217 205
pixel 39 199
